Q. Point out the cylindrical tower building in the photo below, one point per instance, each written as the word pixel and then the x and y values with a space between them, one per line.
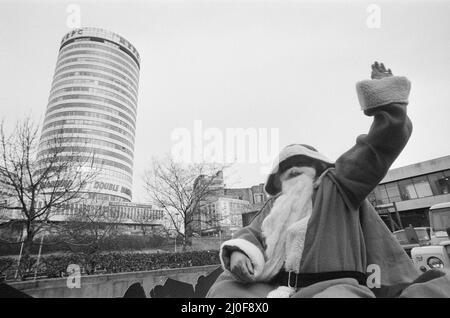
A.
pixel 92 106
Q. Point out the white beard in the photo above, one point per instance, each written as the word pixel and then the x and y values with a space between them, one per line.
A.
pixel 284 229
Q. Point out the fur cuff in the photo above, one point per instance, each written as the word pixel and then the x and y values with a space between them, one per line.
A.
pixel 250 249
pixel 375 93
pixel 281 292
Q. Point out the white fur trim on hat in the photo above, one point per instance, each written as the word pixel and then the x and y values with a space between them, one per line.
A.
pixel 286 153
pixel 250 249
pixel 380 92
pixel 297 150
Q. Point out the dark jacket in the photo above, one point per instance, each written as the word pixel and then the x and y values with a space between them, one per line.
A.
pixel 344 232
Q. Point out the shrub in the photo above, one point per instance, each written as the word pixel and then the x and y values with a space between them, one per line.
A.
pixel 55 265
pixel 53 244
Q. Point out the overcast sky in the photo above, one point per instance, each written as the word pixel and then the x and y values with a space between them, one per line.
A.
pixel 290 65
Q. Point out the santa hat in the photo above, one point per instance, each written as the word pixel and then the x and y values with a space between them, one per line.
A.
pixel 295 155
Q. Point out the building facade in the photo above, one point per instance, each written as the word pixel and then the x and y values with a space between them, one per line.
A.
pixel 406 193
pixel 128 217
pixel 223 215
pixel 92 107
pixel 255 195
pixel 5 189
pixel 225 210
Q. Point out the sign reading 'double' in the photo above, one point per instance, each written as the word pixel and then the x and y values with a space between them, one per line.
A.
pixel 111 187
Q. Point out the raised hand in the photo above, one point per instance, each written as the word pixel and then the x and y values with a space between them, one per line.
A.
pixel 379 71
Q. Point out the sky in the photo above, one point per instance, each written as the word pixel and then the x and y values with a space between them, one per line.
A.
pixel 285 65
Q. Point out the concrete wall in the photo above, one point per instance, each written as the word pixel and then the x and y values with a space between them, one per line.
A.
pixel 110 285
pixel 208 243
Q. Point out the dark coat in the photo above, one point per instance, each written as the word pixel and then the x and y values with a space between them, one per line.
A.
pixel 344 232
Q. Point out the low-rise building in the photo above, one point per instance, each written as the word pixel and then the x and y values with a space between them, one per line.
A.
pixel 225 210
pixel 405 194
pixel 254 195
pixel 127 217
pixel 223 216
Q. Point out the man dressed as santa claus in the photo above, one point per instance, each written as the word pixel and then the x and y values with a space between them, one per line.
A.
pixel 317 235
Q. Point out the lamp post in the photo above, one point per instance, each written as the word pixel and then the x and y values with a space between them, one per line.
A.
pixel 39 256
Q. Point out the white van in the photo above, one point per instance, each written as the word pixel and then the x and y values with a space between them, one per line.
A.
pixel 437 254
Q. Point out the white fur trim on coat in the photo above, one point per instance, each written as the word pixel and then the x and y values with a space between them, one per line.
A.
pixel 295 243
pixel 281 292
pixel 380 92
pixel 250 249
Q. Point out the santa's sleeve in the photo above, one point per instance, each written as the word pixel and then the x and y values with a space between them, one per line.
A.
pixel 248 240
pixel 360 169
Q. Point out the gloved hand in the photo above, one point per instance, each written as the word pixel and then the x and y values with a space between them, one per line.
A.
pixel 379 71
pixel 241 267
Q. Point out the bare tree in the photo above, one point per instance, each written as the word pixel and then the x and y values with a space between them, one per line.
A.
pixel 85 231
pixel 183 191
pixel 41 175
